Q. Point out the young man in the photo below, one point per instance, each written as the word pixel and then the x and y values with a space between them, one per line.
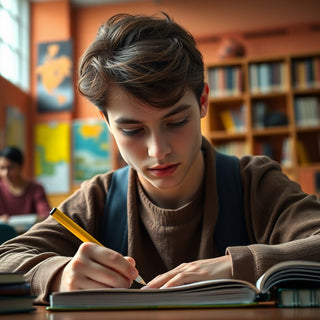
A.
pixel 145 75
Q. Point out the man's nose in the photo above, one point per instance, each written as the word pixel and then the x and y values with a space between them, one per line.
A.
pixel 159 146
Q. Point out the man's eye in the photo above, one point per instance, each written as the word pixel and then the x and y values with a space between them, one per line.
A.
pixel 178 123
pixel 131 132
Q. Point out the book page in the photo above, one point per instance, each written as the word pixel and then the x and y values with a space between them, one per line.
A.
pixel 295 270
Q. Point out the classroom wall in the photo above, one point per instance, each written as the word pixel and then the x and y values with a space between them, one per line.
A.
pixel 266 27
pixel 15 97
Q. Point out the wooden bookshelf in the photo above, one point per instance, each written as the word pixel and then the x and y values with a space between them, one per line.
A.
pixel 269 106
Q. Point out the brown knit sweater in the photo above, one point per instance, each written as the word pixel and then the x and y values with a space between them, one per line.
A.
pixel 283 224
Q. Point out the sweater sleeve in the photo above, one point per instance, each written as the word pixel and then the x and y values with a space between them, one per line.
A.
pixel 283 223
pixel 47 247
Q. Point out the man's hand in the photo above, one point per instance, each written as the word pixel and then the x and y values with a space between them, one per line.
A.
pixel 94 266
pixel 200 270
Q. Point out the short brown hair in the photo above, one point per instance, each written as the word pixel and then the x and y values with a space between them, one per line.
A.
pixel 154 59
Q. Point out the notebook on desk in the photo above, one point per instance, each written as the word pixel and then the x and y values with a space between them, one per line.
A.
pixel 205 294
pixel 23 222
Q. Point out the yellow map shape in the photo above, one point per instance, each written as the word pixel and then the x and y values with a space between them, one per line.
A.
pixel 54 140
pixel 53 71
pixel 91 131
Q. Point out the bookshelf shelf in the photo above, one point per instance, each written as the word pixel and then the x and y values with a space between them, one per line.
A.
pixel 222 135
pixel 269 105
pixel 314 129
pixel 309 91
pixel 270 131
pixel 232 99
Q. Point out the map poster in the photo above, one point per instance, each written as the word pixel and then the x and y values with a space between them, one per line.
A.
pixel 91 149
pixel 54 77
pixel 52 156
pixel 15 133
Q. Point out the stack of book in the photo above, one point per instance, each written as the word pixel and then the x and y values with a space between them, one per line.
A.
pixel 14 293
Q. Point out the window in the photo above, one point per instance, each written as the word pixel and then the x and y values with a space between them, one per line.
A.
pixel 14 42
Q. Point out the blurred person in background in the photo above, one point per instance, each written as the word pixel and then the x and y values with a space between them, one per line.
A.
pixel 19 195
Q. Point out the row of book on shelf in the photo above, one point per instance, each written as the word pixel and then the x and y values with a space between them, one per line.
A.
pixel 267 115
pixel 234 120
pixel 225 81
pixel 264 77
pixel 307 111
pixel 267 77
pixel 240 148
pixel 306 72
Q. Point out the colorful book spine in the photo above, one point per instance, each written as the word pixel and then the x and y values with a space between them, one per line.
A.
pixel 225 81
pixel 267 77
pixel 233 120
pixel 307 111
pixel 306 73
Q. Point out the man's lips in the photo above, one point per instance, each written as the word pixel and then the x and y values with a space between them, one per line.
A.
pixel 163 170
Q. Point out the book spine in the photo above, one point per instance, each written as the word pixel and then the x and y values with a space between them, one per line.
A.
pixel 17 289
pixel 298 297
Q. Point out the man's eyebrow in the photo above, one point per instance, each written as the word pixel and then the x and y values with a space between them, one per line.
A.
pixel 178 109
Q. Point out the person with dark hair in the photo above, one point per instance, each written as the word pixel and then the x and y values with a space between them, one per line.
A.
pixel 18 195
pixel 190 213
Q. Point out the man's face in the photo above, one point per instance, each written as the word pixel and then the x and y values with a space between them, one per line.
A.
pixel 162 145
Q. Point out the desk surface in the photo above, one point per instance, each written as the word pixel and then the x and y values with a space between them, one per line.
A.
pixel 261 312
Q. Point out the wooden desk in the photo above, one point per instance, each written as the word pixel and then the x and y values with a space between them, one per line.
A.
pixel 261 312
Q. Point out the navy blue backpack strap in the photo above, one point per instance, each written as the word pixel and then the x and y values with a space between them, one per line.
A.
pixel 114 228
pixel 231 227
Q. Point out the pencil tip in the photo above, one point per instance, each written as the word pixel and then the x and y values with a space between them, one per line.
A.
pixel 140 280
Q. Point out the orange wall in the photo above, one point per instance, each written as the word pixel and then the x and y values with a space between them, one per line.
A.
pixel 13 96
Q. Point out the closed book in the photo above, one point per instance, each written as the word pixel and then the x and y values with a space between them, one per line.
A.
pixel 204 294
pixel 16 304
pixel 11 277
pixel 15 289
pixel 298 297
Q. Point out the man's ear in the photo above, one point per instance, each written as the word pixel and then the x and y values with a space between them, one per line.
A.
pixel 105 119
pixel 204 101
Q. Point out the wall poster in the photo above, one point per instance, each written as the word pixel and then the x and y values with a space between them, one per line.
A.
pixel 54 77
pixel 52 156
pixel 91 149
pixel 15 130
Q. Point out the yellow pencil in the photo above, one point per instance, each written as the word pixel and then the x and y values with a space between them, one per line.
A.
pixel 83 235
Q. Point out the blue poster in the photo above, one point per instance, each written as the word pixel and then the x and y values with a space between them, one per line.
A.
pixel 91 149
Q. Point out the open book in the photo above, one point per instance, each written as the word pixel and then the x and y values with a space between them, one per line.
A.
pixel 212 293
